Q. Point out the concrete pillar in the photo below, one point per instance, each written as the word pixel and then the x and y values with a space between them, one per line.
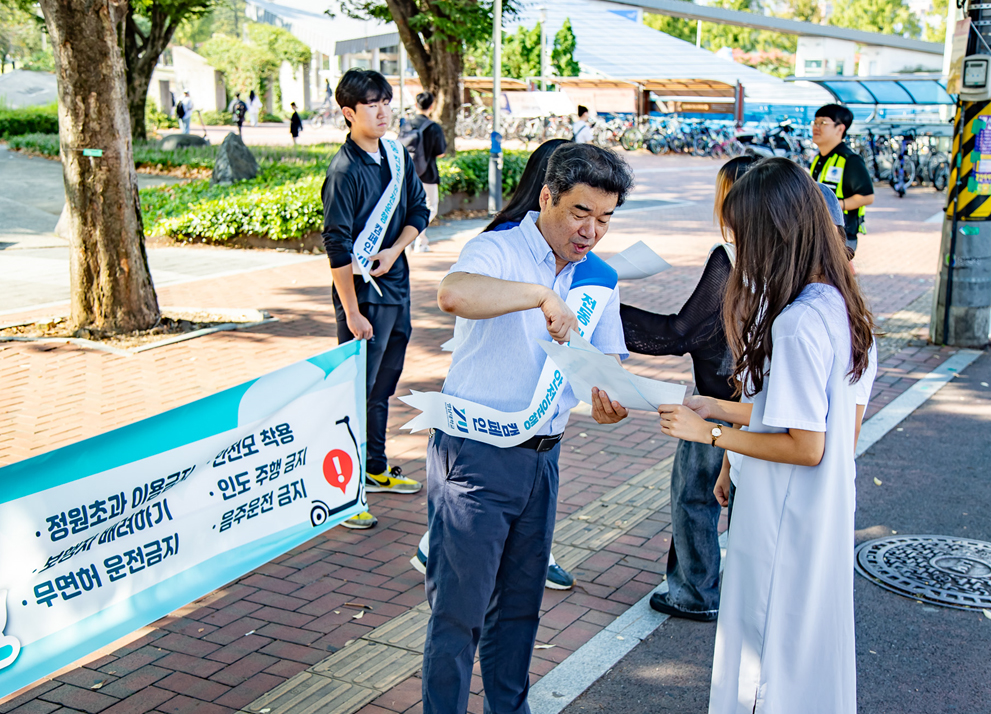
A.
pixel 962 303
pixel 966 271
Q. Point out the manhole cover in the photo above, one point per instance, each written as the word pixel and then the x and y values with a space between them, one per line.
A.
pixel 952 572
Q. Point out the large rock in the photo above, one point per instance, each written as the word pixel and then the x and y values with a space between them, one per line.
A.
pixel 235 162
pixel 182 141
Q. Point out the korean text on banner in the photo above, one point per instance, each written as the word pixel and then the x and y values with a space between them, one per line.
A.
pixel 100 538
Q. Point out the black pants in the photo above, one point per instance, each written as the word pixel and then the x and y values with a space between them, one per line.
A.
pixel 385 354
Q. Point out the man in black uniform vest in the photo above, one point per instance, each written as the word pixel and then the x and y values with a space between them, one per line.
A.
pixel 842 169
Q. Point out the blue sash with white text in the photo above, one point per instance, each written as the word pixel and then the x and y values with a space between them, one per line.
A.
pixel 593 284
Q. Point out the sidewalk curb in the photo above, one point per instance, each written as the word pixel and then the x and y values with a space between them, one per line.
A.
pixel 912 398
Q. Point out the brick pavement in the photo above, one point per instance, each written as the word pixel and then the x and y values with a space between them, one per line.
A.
pixel 222 652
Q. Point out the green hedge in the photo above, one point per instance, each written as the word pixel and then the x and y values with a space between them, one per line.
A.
pixel 28 120
pixel 312 158
pixel 284 202
pixel 468 172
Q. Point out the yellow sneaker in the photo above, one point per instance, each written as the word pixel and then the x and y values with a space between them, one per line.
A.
pixel 361 521
pixel 391 481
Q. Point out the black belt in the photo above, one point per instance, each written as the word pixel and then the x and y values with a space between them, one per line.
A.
pixel 541 443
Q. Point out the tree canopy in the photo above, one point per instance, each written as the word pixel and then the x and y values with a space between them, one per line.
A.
pixel 245 66
pixel 521 54
pixel 22 38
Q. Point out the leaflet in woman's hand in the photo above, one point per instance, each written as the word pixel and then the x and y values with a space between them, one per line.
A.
pixel 585 367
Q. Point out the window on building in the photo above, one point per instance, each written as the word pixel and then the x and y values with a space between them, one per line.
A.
pixel 361 62
pixel 813 68
pixel 839 66
pixel 389 67
pixel 390 50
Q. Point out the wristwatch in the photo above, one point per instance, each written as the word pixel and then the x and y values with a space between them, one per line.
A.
pixel 716 432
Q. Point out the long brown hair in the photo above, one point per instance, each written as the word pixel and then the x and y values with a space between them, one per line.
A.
pixel 784 238
pixel 729 173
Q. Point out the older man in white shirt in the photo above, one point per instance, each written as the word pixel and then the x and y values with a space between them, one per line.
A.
pixel 491 508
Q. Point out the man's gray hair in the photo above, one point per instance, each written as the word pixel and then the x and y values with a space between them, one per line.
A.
pixel 574 164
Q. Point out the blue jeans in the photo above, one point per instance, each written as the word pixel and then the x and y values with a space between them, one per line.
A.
pixel 491 523
pixel 693 560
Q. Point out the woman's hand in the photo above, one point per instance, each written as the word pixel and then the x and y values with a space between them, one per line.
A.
pixel 604 411
pixel 721 491
pixel 700 405
pixel 679 421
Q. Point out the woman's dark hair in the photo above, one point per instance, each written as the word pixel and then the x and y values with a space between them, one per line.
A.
pixel 424 100
pixel 784 238
pixel 590 165
pixel 839 115
pixel 526 197
pixel 361 86
pixel 729 174
pixel 251 96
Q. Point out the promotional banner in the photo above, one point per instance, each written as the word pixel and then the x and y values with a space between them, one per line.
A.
pixel 102 537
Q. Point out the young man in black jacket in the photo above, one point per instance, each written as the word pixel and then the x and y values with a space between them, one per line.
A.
pixel 362 237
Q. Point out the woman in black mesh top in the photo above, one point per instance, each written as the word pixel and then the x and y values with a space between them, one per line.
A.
pixel 697 329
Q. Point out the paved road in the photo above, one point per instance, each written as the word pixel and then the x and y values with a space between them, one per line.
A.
pixel 911 658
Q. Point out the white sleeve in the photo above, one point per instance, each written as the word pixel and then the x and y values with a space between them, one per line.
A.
pixel 866 383
pixel 480 256
pixel 607 337
pixel 796 383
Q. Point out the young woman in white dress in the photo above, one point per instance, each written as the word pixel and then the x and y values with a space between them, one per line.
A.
pixel 801 335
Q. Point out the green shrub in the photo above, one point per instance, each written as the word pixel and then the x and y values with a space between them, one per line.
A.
pixel 284 212
pixel 155 118
pixel 212 117
pixel 44 144
pixel 28 120
pixel 284 202
pixel 468 172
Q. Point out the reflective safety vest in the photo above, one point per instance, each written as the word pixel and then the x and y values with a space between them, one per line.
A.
pixel 832 176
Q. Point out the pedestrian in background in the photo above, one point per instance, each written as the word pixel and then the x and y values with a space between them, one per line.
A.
pixel 238 110
pixel 425 141
pixel 801 336
pixel 697 329
pixel 581 129
pixel 254 106
pixel 184 111
pixel 295 123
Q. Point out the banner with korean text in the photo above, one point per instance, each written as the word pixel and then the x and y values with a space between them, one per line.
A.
pixel 102 537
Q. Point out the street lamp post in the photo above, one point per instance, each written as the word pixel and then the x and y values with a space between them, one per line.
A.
pixel 543 49
pixel 495 152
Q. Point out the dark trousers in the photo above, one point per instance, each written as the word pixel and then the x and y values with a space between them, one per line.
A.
pixel 385 354
pixel 693 560
pixel 491 522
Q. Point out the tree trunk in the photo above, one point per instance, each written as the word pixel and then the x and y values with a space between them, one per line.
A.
pixel 108 267
pixel 439 68
pixel 446 86
pixel 141 54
